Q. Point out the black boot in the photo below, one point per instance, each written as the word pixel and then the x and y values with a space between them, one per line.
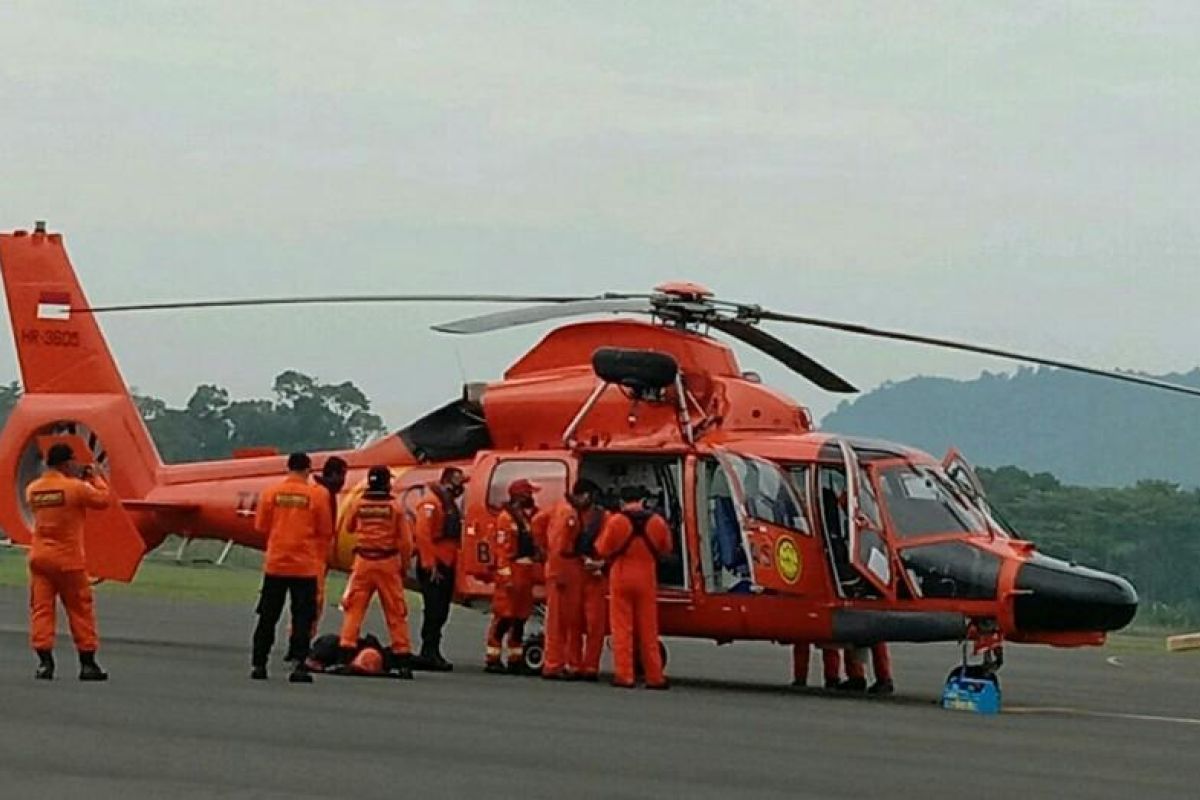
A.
pixel 300 674
pixel 45 669
pixel 431 660
pixel 89 670
pixel 258 672
pixel 882 688
pixel 401 667
pixel 853 685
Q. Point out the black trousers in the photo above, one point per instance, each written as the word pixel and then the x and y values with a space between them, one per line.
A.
pixel 437 596
pixel 275 590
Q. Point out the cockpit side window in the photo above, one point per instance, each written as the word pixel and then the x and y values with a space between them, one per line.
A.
pixel 769 496
pixel 920 504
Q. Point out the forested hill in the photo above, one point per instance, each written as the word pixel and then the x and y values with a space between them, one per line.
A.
pixel 1086 431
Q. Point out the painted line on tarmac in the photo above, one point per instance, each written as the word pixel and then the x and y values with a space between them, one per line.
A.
pixel 1113 661
pixel 1079 712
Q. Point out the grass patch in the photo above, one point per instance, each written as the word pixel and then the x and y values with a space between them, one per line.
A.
pixel 165 578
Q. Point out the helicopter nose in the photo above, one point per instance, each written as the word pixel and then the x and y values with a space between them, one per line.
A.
pixel 1053 595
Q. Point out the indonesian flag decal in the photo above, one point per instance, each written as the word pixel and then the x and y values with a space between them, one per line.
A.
pixel 54 305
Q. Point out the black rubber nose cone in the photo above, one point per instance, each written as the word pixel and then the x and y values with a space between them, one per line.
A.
pixel 1057 596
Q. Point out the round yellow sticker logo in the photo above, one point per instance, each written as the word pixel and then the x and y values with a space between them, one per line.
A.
pixel 787 559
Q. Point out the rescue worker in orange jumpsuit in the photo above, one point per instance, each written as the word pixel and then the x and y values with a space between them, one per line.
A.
pixel 856 670
pixel 60 501
pixel 438 534
pixel 565 621
pixel 512 597
pixel 595 588
pixel 831 664
pixel 296 518
pixel 632 542
pixel 381 555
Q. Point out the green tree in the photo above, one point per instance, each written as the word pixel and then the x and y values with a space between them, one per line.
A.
pixel 1149 532
pixel 10 393
pixel 304 414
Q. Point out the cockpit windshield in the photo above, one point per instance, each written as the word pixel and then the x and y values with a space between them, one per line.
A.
pixel 921 502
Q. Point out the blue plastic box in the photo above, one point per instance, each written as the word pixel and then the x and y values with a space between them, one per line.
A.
pixel 971 694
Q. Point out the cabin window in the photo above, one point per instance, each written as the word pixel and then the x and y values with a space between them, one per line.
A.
pixel 768 495
pixel 662 478
pixel 551 476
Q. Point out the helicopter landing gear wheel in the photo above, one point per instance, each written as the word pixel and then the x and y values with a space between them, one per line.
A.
pixel 535 654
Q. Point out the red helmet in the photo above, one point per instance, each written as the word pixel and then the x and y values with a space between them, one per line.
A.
pixel 522 488
pixel 368 662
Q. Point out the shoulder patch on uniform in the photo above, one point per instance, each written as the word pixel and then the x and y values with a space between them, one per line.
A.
pixel 48 499
pixel 291 500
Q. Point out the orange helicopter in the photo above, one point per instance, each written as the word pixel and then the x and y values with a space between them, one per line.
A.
pixel 782 532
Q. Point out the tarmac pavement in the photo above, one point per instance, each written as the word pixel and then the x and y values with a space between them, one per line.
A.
pixel 180 719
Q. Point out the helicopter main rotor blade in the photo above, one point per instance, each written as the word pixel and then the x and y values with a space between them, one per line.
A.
pixel 528 316
pixel 784 353
pixel 332 299
pixel 951 344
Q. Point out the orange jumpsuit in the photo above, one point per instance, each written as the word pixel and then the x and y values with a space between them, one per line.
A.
pixel 297 520
pixel 380 557
pixel 881 663
pixel 435 547
pixel 512 597
pixel 56 560
pixel 632 542
pixel 438 534
pixel 564 593
pixel 595 600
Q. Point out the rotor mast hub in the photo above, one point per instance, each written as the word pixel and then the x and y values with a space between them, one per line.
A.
pixel 684 290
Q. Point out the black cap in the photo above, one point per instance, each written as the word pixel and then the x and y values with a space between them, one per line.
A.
pixel 585 486
pixel 298 462
pixel 59 454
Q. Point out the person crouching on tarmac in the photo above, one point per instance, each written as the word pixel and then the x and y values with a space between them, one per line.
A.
pixel 632 542
pixel 57 570
pixel 512 596
pixel 295 517
pixel 381 556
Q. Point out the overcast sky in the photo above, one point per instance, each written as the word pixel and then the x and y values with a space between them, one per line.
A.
pixel 1022 174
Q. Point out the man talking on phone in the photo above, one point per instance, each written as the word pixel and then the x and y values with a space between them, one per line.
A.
pixel 59 500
